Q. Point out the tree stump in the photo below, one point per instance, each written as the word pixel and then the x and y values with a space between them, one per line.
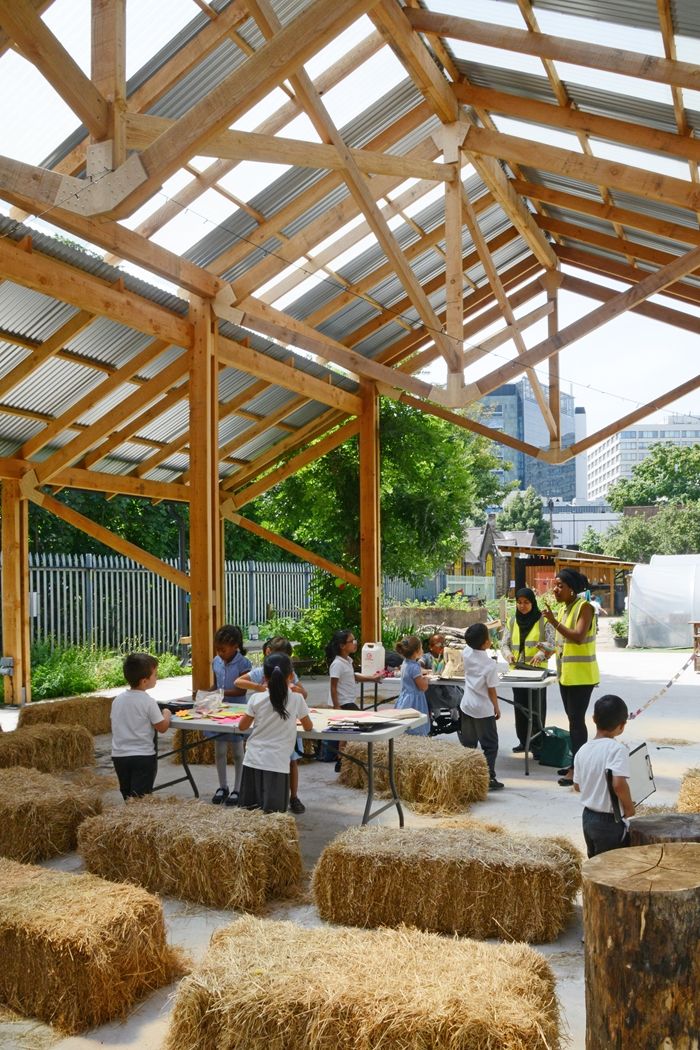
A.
pixel 665 827
pixel 641 913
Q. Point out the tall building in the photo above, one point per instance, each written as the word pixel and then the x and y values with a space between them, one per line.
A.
pixel 616 457
pixel 514 410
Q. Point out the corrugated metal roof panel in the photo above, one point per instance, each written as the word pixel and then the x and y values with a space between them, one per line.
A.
pixel 31 314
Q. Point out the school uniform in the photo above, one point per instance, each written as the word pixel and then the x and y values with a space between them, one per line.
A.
pixel 591 763
pixel 265 782
pixel 412 696
pixel 477 718
pixel 133 716
pixel 342 668
pixel 257 675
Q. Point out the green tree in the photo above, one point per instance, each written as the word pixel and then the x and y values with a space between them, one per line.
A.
pixel 633 538
pixel 668 474
pixel 677 529
pixel 591 541
pixel 435 478
pixel 524 511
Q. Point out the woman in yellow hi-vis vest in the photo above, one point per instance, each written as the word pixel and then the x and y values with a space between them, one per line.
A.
pixel 577 667
pixel 527 639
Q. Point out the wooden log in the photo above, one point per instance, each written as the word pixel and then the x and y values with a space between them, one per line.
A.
pixel 641 913
pixel 665 827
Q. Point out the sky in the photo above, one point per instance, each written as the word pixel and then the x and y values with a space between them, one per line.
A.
pixel 625 364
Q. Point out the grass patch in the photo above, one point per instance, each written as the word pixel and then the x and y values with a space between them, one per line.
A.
pixel 83 669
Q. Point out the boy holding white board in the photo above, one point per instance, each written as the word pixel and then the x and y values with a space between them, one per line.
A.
pixel 592 763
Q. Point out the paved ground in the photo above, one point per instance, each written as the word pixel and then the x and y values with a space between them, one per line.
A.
pixel 671 726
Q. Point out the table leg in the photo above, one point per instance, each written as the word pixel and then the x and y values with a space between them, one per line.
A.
pixel 376 695
pixel 392 783
pixel 528 735
pixel 362 696
pixel 370 783
pixel 182 751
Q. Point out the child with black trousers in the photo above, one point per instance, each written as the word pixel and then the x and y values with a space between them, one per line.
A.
pixel 479 708
pixel 134 716
pixel 592 762
pixel 273 716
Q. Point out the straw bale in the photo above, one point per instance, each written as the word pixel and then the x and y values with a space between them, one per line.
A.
pixel 198 756
pixel 40 814
pixel 220 856
pixel 689 796
pixel 92 712
pixel 447 880
pixel 275 986
pixel 78 951
pixel 47 747
pixel 434 776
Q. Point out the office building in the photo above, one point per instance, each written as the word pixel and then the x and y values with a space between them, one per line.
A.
pixel 616 457
pixel 514 410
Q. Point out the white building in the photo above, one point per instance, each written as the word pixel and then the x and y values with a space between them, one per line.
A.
pixel 615 457
pixel 570 520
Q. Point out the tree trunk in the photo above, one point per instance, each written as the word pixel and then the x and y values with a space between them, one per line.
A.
pixel 665 827
pixel 641 912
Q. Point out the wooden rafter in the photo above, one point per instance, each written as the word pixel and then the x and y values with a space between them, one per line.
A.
pixel 49 348
pixel 608 267
pixel 543 45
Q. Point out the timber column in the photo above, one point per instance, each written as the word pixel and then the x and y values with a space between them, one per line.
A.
pixel 206 596
pixel 370 535
pixel 15 593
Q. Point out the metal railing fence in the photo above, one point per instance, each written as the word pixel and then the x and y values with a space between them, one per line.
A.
pixel 109 601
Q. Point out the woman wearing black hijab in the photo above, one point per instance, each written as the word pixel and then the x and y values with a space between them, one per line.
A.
pixel 577 667
pixel 527 639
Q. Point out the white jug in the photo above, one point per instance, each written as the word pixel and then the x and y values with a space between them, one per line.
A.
pixel 373 658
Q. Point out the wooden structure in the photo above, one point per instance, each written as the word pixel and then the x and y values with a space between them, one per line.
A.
pixel 216 390
pixel 536 567
pixel 641 915
pixel 665 827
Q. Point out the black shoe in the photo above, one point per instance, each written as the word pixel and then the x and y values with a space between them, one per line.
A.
pixel 220 795
pixel 337 767
pixel 296 805
pixel 495 785
pixel 565 771
pixel 519 749
pixel 564 782
pixel 232 800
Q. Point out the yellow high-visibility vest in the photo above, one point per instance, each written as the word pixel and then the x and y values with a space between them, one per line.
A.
pixel 535 637
pixel 576 661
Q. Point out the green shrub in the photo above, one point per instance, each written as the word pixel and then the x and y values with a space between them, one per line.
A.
pixel 81 669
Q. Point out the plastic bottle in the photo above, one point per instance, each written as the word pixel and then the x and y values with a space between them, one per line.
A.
pixel 373 658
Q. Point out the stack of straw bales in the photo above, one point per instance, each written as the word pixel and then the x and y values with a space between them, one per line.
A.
pixel 219 856
pixel 40 814
pixel 434 776
pixel 272 985
pixel 203 755
pixel 689 797
pixel 48 748
pixel 92 712
pixel 78 951
pixel 477 883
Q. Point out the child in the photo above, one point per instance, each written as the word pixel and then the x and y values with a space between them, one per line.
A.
pixel 229 663
pixel 591 764
pixel 255 679
pixel 479 708
pixel 273 716
pixel 134 716
pixel 434 658
pixel 414 683
pixel 342 680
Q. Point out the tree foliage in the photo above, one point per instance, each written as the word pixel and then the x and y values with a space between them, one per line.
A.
pixel 524 511
pixel 434 479
pixel 673 530
pixel 669 474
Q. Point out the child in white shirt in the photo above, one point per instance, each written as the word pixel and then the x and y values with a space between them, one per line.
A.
pixel 479 708
pixel 135 715
pixel 592 762
pixel 273 716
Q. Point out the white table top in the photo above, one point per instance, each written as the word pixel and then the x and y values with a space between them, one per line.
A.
pixel 526 683
pixel 389 733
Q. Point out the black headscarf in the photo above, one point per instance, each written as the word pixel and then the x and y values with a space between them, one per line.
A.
pixel 574 579
pixel 526 621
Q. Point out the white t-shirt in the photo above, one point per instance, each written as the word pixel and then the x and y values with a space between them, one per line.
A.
pixel 272 738
pixel 342 669
pixel 590 764
pixel 480 674
pixel 134 713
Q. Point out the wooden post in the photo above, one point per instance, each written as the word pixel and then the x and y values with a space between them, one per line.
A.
pixel 15 593
pixel 551 281
pixel 641 913
pixel 109 70
pixel 206 607
pixel 370 537
pixel 665 827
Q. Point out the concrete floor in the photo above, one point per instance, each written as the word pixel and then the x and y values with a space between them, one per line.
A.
pixel 671 727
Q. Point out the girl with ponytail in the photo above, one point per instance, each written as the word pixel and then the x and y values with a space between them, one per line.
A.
pixel 273 716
